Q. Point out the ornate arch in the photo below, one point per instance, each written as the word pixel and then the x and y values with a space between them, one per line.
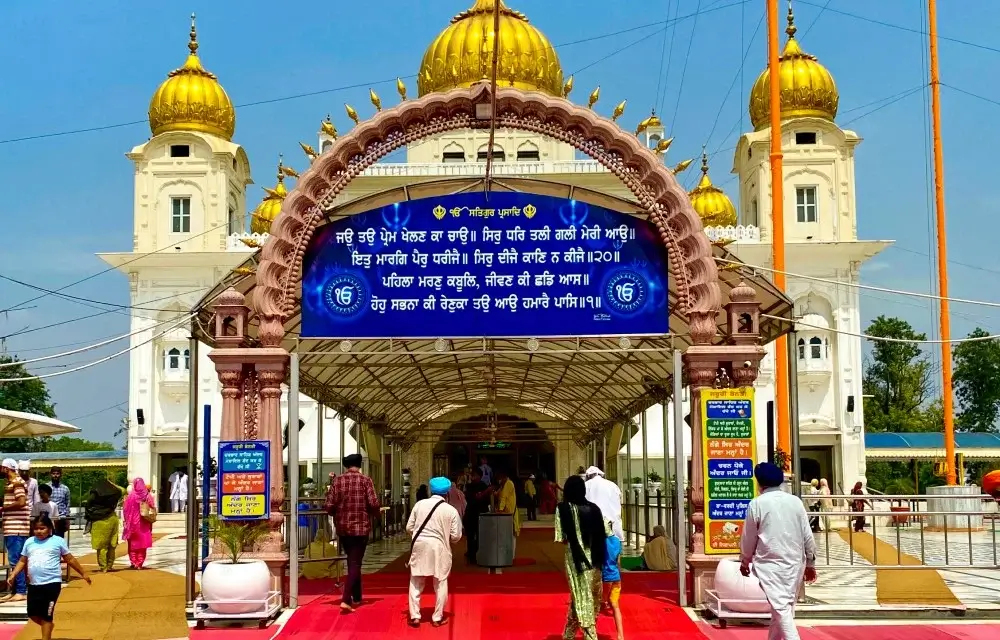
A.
pixel 642 171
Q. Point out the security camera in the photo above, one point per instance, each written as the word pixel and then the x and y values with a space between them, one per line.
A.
pixel 747 364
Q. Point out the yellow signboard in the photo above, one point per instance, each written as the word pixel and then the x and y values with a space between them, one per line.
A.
pixel 244 506
pixel 729 453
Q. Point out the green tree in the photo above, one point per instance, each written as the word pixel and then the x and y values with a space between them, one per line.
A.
pixel 897 377
pixel 977 383
pixel 29 396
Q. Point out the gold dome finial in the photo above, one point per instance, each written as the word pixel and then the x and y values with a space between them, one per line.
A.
pixel 595 95
pixel 711 204
pixel 191 99
pixel 328 127
pixel 401 89
pixel 682 166
pixel 618 111
pixel 308 150
pixel 376 101
pixel 462 54
pixel 663 145
pixel 270 206
pixel 568 87
pixel 806 87
pixel 352 114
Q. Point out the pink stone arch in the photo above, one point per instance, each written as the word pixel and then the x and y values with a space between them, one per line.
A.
pixel 642 171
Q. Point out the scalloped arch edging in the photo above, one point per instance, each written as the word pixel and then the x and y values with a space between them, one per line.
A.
pixel 689 252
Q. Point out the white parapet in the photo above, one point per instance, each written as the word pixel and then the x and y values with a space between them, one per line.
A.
pixel 738 233
pixel 239 241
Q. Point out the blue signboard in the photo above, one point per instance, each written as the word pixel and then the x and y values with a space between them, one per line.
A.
pixel 244 480
pixel 468 265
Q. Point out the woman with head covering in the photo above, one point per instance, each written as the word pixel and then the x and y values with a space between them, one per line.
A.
pixel 547 496
pixel 777 545
pixel 825 501
pixel 102 521
pixel 138 513
pixel 422 493
pixel 434 526
pixel 660 553
pixel 581 528
pixel 858 506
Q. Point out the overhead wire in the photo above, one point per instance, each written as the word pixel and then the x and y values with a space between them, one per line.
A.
pixel 865 336
pixel 687 58
pixel 88 302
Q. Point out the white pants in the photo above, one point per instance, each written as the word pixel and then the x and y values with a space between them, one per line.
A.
pixel 178 506
pixel 782 624
pixel 440 595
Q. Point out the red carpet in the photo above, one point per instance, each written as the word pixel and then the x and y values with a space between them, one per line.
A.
pixel 882 632
pixel 511 606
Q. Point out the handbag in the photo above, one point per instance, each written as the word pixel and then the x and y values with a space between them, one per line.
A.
pixel 421 528
pixel 147 513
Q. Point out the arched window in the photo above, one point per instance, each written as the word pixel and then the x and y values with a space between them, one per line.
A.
pixel 187 359
pixel 326 145
pixel 816 348
pixel 802 349
pixel 173 359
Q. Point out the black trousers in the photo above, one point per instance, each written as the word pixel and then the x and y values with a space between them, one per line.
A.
pixel 532 505
pixel 472 538
pixel 814 520
pixel 354 548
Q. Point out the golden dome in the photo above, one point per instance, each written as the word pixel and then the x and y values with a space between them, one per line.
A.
pixel 807 88
pixel 462 54
pixel 711 204
pixel 270 206
pixel 191 99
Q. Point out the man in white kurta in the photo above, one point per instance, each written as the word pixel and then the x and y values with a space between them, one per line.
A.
pixel 777 546
pixel 431 553
pixel 178 491
pixel 608 497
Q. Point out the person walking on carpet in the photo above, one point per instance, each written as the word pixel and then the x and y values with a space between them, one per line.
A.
pixel 102 521
pixel 42 556
pixel 434 526
pixel 139 514
pixel 16 524
pixel 611 575
pixel 579 526
pixel 777 546
pixel 477 500
pixel 352 503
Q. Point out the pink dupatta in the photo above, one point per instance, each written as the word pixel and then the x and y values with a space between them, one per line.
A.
pixel 137 531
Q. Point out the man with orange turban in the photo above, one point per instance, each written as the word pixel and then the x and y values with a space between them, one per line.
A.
pixel 991 484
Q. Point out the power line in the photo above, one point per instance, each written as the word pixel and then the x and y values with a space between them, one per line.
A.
pixel 84 301
pixel 360 85
pixel 99 411
pixel 687 57
pixel 865 336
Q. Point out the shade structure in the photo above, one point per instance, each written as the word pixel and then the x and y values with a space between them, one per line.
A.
pixel 18 424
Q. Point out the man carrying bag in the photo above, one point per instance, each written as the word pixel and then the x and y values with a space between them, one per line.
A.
pixel 434 526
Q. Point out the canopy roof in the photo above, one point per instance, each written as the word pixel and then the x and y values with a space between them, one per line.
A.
pixel 579 386
pixel 17 424
pixel 930 446
pixel 72 459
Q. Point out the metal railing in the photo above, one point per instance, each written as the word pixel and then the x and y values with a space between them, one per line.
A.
pixel 643 509
pixel 906 532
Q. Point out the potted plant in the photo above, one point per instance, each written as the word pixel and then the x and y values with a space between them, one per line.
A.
pixel 780 459
pixel 637 483
pixel 232 585
pixel 406 476
pixel 900 510
pixel 654 481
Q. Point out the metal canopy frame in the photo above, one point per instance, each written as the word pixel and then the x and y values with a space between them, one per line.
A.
pixel 583 385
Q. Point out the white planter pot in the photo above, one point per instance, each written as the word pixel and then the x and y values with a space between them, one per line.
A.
pixel 243 586
pixel 637 486
pixel 406 478
pixel 654 486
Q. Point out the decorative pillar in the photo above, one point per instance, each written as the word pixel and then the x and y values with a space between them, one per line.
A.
pixel 738 359
pixel 229 356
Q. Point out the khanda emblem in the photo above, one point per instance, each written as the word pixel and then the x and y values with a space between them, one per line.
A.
pixel 530 211
pixel 625 292
pixel 439 212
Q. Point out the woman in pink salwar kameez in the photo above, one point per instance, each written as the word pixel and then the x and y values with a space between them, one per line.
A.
pixel 138 531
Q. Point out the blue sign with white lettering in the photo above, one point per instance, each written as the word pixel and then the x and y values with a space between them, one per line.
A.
pixel 468 265
pixel 728 509
pixel 721 468
pixel 244 480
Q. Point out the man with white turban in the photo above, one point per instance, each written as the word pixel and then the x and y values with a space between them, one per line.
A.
pixel 434 526
pixel 608 497
pixel 777 546
pixel 30 484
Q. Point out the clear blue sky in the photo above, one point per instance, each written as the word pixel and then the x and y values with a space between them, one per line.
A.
pixel 89 65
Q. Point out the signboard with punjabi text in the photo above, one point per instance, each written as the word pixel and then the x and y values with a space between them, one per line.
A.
pixel 244 482
pixel 728 440
pixel 485 265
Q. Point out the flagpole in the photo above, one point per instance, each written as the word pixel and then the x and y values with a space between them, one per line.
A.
pixel 781 381
pixel 942 249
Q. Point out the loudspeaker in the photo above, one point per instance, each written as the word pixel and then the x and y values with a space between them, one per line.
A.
pixel 140 417
pixel 850 404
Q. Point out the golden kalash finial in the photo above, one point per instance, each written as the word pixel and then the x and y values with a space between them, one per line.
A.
pixel 352 114
pixel 619 110
pixel 595 95
pixel 401 89
pixel 193 43
pixel 568 87
pixel 663 145
pixel 376 101
pixel 643 125
pixel 309 151
pixel 683 165
pixel 790 29
pixel 288 171
pixel 328 127
pixel 244 271
pixel 704 162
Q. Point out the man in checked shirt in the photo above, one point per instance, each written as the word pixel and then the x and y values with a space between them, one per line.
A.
pixel 60 496
pixel 352 503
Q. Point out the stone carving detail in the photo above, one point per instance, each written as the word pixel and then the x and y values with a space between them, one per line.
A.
pixel 251 406
pixel 639 169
